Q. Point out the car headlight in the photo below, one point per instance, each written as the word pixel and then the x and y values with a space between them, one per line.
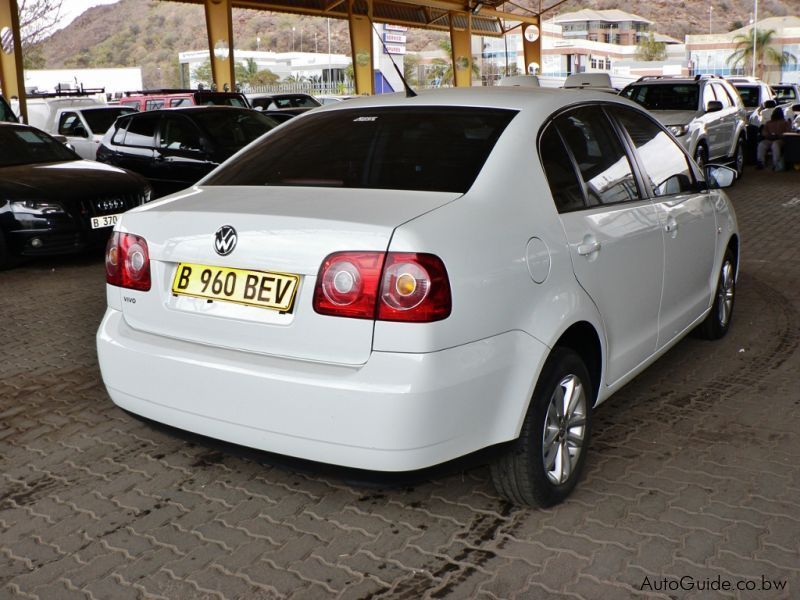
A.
pixel 678 130
pixel 36 207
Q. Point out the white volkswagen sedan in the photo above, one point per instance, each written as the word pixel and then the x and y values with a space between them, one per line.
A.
pixel 394 282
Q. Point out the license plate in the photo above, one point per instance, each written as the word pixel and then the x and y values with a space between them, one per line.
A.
pixel 105 221
pixel 264 289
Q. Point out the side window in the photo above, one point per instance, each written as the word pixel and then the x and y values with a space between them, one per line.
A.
pixel 119 134
pixel 731 94
pixel 178 133
pixel 708 95
pixel 722 96
pixel 600 156
pixel 565 184
pixel 667 170
pixel 67 123
pixel 154 104
pixel 180 102
pixel 142 131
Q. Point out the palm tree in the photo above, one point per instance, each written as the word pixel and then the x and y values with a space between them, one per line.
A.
pixel 764 51
pixel 447 76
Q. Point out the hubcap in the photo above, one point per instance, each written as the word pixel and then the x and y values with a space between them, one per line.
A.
pixel 564 429
pixel 739 158
pixel 700 158
pixel 725 294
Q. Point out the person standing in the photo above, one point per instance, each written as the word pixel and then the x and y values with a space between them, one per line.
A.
pixel 772 133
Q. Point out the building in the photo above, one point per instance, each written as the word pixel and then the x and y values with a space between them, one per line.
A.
pixel 609 26
pixel 710 53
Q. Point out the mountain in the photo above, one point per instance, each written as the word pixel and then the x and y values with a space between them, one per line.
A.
pixel 150 33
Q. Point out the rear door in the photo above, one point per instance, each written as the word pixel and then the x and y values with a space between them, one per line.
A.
pixel 73 128
pixel 687 219
pixel 613 232
pixel 135 151
pixel 181 158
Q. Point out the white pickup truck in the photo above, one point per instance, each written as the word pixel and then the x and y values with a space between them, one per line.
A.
pixel 82 122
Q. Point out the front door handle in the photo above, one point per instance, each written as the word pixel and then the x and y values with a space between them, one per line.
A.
pixel 671 226
pixel 589 248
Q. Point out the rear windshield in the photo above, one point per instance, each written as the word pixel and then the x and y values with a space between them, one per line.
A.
pixel 233 129
pixel 438 149
pixel 749 94
pixel 100 119
pixel 784 93
pixel 220 99
pixel 664 96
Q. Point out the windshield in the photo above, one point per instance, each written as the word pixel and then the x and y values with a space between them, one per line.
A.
pixel 233 129
pixel 439 149
pixel 784 93
pixel 749 94
pixel 664 96
pixel 24 146
pixel 100 119
pixel 221 99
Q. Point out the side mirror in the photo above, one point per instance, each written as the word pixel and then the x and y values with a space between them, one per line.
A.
pixel 714 106
pixel 719 176
pixel 770 104
pixel 80 131
pixel 796 108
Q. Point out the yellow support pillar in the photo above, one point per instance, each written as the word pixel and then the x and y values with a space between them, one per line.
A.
pixel 12 80
pixel 361 48
pixel 532 47
pixel 219 23
pixel 461 50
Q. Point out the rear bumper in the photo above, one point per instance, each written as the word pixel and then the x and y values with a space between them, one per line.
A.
pixel 397 412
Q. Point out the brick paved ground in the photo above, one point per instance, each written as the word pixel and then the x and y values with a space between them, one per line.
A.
pixel 693 471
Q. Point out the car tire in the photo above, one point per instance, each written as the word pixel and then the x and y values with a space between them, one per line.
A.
pixel 718 321
pixel 544 464
pixel 7 261
pixel 701 156
pixel 738 158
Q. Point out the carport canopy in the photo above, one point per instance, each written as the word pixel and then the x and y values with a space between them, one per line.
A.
pixel 461 18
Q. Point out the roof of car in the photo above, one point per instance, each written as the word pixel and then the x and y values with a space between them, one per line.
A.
pixel 191 109
pixel 539 100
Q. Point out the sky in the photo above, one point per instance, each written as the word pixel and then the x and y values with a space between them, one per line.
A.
pixel 72 9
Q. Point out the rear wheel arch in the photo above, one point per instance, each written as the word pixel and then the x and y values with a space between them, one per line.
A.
pixel 583 339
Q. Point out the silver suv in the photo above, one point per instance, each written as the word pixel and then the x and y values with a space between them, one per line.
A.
pixel 704 113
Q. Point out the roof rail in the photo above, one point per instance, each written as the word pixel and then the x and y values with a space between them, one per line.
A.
pixel 700 76
pixel 657 77
pixel 61 93
pixel 170 91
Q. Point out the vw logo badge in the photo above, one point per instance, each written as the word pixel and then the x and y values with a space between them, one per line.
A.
pixel 225 240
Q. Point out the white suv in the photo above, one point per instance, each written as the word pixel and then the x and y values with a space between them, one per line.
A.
pixel 391 283
pixel 704 112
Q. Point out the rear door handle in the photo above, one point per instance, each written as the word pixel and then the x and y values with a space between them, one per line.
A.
pixel 589 248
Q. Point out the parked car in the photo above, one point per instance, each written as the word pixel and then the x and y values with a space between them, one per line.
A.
pixel 333 99
pixel 786 93
pixel 754 93
pixel 175 148
pixel 84 127
pixel 594 81
pixel 6 114
pixel 292 103
pixel 468 268
pixel 704 113
pixel 51 201
pixel 44 109
pixel 172 98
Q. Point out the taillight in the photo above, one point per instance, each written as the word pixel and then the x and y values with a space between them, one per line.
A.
pixel 393 286
pixel 128 261
pixel 414 287
pixel 347 285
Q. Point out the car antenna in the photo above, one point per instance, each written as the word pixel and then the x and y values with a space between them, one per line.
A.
pixel 409 92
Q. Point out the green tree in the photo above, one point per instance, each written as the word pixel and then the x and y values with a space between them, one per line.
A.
pixel 447 75
pixel 650 50
pixel 202 74
pixel 765 52
pixel 411 69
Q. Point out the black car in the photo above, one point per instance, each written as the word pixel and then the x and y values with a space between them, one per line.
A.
pixel 175 148
pixel 6 114
pixel 52 201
